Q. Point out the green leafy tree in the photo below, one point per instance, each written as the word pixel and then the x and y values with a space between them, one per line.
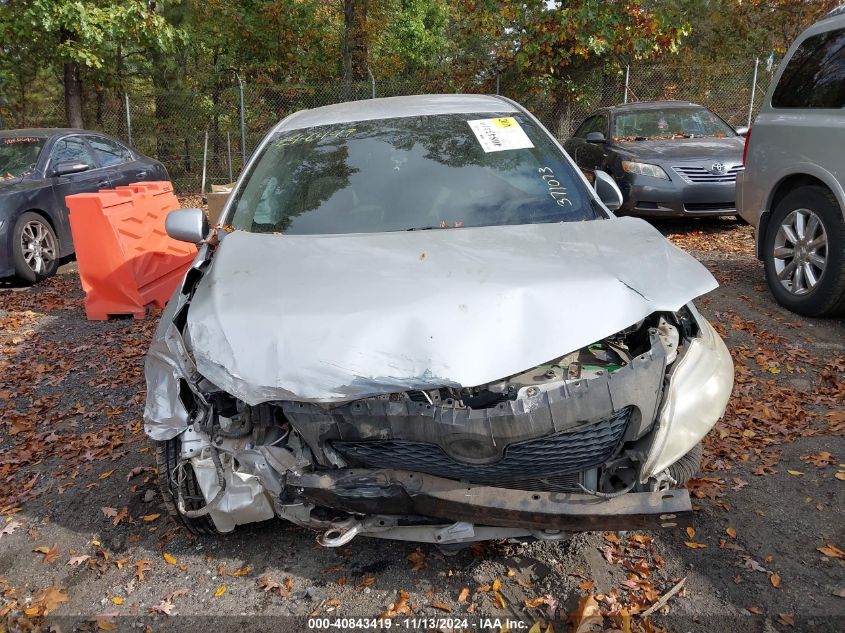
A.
pixel 77 35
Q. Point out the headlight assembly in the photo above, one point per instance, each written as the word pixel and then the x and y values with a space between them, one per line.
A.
pixel 644 169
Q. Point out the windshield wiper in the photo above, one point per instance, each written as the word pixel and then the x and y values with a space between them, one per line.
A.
pixel 422 228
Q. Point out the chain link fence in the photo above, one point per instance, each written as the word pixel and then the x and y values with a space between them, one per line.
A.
pixel 204 135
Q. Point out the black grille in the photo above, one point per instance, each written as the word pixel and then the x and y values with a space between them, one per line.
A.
pixel 710 206
pixel 530 461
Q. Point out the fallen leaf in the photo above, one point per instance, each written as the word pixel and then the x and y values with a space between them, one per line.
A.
pixel 831 551
pixel 775 580
pixel 691 532
pixel 440 605
pixel 786 619
pixel 586 585
pixel 585 615
pixel 499 599
pixel 117 600
pixel 135 472
pixel 533 603
pixel 76 561
pixel 694 545
pixel 105 475
pixel 367 581
pixel 165 607
pixel 170 560
pixel 141 568
pixel 48 599
pixel 731 532
pixel 151 517
pixel 341 581
pixel 50 553
pixel 497 584
pixel 417 559
pixel 10 527
pixel 400 607
pixel 795 472
pixel 220 591
pixel 464 595
pixel 839 592
pixel 242 571
pixel 104 624
pixel 756 610
pixel 840 475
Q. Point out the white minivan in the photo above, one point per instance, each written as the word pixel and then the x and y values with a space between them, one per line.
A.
pixel 792 187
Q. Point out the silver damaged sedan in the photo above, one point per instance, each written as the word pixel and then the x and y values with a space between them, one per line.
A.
pixel 418 321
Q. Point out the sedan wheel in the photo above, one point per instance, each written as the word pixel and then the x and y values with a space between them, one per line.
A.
pixel 800 251
pixel 804 252
pixel 36 253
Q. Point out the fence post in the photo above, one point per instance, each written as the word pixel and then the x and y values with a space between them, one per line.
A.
pixel 372 80
pixel 128 118
pixel 627 77
pixel 229 152
pixel 753 90
pixel 243 120
pixel 204 162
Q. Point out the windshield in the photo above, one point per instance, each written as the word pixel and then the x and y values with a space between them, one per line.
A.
pixel 19 155
pixel 427 172
pixel 669 123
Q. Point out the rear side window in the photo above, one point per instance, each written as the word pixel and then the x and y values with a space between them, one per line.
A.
pixel 74 149
pixel 109 152
pixel 815 76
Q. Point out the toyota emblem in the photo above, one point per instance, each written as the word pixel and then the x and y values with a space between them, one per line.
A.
pixel 717 168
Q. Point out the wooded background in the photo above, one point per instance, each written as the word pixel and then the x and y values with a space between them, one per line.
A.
pixel 167 72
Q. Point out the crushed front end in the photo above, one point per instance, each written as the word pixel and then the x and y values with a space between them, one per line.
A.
pixel 596 439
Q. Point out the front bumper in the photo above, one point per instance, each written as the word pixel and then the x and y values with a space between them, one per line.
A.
pixel 655 197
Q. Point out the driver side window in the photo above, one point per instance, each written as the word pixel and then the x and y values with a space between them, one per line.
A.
pixel 73 149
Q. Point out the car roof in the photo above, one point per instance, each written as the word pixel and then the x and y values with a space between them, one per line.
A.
pixel 42 132
pixel 652 105
pixel 396 107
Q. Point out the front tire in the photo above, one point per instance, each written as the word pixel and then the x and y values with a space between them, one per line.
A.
pixel 35 248
pixel 804 253
pixel 167 459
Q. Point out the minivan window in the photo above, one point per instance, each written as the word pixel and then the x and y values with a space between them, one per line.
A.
pixel 421 172
pixel 815 76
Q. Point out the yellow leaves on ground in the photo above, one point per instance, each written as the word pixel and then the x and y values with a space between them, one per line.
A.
pixel 46 601
pixel 150 517
pixel 691 532
pixel 117 600
pixel 694 545
pixel 731 532
pixel 106 474
pixel 775 580
pixel 170 560
pixel 220 591
pixel 464 595
pixel 831 551
pixel 795 473
pixel 241 571
pixel 400 607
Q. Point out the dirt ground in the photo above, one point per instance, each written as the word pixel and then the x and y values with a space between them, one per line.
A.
pixel 85 543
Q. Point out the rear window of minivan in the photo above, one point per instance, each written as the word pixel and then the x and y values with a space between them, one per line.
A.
pixel 815 76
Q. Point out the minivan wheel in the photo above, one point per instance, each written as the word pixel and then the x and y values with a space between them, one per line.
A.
pixel 804 253
pixel 35 248
pixel 167 459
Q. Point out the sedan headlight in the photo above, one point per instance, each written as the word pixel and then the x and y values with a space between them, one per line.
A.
pixel 644 169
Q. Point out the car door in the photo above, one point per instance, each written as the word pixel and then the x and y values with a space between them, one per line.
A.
pixel 118 160
pixel 574 145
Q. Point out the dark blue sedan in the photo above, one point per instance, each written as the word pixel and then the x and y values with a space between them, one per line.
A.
pixel 38 168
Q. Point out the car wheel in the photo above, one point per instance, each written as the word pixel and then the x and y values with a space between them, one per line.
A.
pixel 804 253
pixel 35 248
pixel 170 480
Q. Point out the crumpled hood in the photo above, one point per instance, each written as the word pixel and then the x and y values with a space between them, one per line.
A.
pixel 708 148
pixel 338 317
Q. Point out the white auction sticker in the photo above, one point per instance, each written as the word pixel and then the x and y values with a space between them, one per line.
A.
pixel 496 135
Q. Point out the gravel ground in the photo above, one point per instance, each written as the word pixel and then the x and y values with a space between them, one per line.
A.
pixel 85 543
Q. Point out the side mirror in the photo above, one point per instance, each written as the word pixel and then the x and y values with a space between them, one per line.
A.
pixel 595 137
pixel 607 190
pixel 186 225
pixel 67 167
pixel 742 131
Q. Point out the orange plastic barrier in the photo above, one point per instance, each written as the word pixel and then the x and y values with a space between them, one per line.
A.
pixel 126 259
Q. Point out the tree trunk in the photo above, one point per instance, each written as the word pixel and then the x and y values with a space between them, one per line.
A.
pixel 73 95
pixel 354 44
